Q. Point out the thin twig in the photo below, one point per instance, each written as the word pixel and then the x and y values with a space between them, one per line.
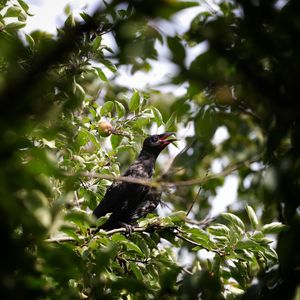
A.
pixel 82 238
pixel 165 184
pixel 194 201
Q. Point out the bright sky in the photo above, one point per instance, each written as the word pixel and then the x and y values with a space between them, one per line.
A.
pixel 49 15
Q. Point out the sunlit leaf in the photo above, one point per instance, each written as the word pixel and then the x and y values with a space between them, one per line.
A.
pixel 274 227
pixel 252 216
pixel 120 109
pixel 101 74
pixel 106 108
pixel 157 116
pixel 234 220
pixel 134 102
pixel 171 123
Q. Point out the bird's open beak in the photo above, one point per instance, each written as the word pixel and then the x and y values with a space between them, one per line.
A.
pixel 166 138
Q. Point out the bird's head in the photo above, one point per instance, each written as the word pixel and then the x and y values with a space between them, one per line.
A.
pixel 154 144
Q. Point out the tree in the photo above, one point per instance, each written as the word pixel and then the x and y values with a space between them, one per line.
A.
pixel 56 162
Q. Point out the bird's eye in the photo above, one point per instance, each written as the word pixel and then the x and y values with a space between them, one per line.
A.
pixel 154 139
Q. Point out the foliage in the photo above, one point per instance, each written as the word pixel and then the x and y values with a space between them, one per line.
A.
pixel 56 162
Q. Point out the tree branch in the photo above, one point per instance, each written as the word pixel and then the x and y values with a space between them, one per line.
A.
pixel 164 184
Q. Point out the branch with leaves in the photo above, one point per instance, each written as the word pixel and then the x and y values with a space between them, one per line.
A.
pixel 163 184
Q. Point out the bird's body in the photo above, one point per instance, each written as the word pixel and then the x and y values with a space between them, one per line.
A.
pixel 128 202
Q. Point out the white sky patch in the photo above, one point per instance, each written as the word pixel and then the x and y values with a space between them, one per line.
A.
pixel 226 195
pixel 49 15
pixel 220 135
pixel 160 72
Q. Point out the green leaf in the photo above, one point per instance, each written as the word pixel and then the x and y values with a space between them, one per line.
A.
pixel 219 230
pixel 101 74
pixel 178 216
pixel 120 109
pixel 109 65
pixel 24 5
pixel 22 17
pixel 70 21
pixel 233 219
pixel 78 218
pixel 249 244
pixel 171 123
pixel 131 246
pixel 30 41
pixel 106 108
pixel 273 228
pixel 270 253
pixel 198 233
pixel 13 12
pixel 118 237
pixel 96 43
pixel 157 116
pixel 252 216
pixel 102 220
pixel 15 25
pixel 134 102
pixel 70 232
pixel 79 91
pixel 115 140
pixel 177 49
pixel 136 270
pixel 82 138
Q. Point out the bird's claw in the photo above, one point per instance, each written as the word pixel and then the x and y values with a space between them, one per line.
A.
pixel 128 228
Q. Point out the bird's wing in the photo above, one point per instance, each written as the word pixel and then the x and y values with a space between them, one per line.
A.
pixel 149 203
pixel 111 199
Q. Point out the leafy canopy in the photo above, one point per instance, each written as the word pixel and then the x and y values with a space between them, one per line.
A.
pixel 68 129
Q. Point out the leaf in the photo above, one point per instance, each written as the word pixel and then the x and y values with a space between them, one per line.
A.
pixel 274 227
pixel 13 12
pixel 30 41
pixel 177 49
pixel 270 253
pixel 102 220
pixel 134 102
pixel 22 16
pixel 252 216
pixel 136 270
pixel 109 65
pixel 157 116
pixel 131 246
pixel 15 25
pixel 106 108
pixel 24 5
pixel 85 17
pixel 118 237
pixel 81 138
pixel 101 75
pixel 79 91
pixel 249 244
pixel 178 216
pixel 115 140
pixel 77 218
pixel 219 230
pixel 70 232
pixel 233 219
pixel 96 43
pixel 120 109
pixel 171 123
pixel 198 233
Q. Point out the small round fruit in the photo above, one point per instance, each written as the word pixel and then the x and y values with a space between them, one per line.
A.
pixel 223 95
pixel 105 128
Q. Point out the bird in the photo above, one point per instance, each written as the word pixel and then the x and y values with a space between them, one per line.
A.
pixel 127 202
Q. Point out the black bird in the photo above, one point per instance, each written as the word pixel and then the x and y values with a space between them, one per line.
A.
pixel 128 202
